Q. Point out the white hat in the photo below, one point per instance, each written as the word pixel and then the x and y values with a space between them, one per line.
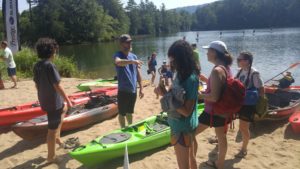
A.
pixel 217 45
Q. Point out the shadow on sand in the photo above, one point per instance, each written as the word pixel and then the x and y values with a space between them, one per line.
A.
pixel 289 134
pixel 20 146
pixel 213 155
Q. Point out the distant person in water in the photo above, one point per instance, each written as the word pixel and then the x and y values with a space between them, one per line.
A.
pixel 152 67
pixel 51 94
pixel 286 81
pixel 8 57
pixel 128 75
pixel 184 38
pixel 221 33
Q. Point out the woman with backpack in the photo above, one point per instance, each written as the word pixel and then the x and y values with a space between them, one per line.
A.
pixel 252 81
pixel 218 55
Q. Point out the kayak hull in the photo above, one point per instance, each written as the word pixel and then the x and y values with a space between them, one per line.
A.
pixel 12 115
pixel 282 104
pixel 295 122
pixel 37 127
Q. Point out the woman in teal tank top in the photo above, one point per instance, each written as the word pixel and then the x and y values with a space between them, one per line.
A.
pixel 184 125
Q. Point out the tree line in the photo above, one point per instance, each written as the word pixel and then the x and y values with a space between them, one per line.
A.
pixel 79 21
pixel 243 14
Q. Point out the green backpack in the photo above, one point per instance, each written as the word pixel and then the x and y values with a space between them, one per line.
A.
pixel 262 106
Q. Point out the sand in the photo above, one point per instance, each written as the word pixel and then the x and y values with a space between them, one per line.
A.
pixel 273 144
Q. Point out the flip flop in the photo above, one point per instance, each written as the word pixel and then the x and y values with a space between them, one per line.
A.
pixel 211 164
pixel 241 154
pixel 212 140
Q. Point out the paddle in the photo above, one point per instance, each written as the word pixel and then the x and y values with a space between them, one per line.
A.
pixel 292 66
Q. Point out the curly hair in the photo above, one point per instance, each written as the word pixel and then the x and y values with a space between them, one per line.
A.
pixel 184 62
pixel 46 47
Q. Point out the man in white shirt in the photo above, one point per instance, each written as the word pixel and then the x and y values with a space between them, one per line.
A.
pixel 8 58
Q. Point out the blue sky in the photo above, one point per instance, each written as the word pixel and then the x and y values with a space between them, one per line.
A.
pixel 169 3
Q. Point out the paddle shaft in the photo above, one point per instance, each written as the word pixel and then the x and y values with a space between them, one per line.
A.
pixel 292 66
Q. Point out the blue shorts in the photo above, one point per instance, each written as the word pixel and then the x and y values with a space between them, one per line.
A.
pixel 11 71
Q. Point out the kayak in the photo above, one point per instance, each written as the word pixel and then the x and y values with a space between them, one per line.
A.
pixel 148 134
pixel 100 83
pixel 295 122
pixel 78 118
pixel 281 104
pixel 14 114
pixel 272 89
pixel 97 84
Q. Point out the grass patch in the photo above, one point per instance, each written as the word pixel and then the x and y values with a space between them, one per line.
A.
pixel 26 59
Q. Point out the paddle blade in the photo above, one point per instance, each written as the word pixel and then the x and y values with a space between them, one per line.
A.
pixel 294 65
pixel 126 159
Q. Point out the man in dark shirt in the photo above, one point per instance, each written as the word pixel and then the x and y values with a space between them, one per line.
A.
pixel 50 93
pixel 128 74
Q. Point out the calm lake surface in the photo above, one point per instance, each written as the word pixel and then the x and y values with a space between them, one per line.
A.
pixel 274 51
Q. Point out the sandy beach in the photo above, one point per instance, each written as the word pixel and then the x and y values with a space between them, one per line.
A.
pixel 273 144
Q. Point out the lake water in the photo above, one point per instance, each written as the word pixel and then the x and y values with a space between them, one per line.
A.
pixel 274 50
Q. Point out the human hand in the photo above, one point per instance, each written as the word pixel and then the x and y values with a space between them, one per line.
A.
pixel 141 94
pixel 138 63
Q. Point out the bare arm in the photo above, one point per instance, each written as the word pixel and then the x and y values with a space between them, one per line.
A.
pixel 217 81
pixel 139 80
pixel 125 62
pixel 187 108
pixel 261 91
pixel 61 91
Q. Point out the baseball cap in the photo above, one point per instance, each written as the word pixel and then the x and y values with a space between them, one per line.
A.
pixel 125 38
pixel 217 45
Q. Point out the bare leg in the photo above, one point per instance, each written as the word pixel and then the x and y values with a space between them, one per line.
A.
pixel 129 118
pixel 58 140
pixel 122 121
pixel 192 148
pixel 222 146
pixel 244 128
pixel 14 80
pixel 153 77
pixel 182 155
pixel 200 129
pixel 51 138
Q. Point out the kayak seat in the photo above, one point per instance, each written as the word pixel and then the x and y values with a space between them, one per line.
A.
pixel 159 127
pixel 115 138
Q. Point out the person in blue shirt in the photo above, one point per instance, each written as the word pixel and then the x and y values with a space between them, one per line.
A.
pixel 128 75
pixel 184 124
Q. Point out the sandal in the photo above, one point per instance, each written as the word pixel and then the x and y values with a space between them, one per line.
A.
pixel 211 164
pixel 241 154
pixel 72 143
pixel 212 140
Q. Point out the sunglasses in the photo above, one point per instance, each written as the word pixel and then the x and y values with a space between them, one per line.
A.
pixel 240 59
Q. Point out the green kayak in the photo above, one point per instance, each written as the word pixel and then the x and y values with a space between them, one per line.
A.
pixel 97 84
pixel 148 134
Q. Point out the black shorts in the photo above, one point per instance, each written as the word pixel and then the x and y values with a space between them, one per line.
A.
pixel 126 102
pixel 247 113
pixel 217 121
pixel 11 71
pixel 54 118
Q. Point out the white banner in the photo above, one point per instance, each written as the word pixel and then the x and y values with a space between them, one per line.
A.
pixel 11 24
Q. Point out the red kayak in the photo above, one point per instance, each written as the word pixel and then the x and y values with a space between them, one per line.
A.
pixel 37 127
pixel 12 115
pixel 295 122
pixel 282 104
pixel 272 89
